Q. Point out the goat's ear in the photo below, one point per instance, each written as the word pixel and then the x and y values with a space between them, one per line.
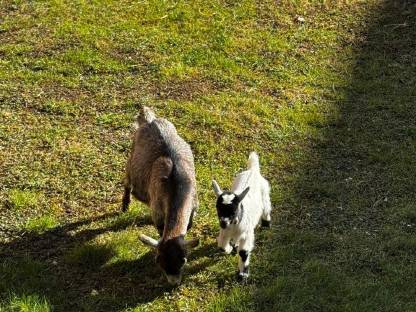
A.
pixel 148 241
pixel 191 243
pixel 216 187
pixel 243 193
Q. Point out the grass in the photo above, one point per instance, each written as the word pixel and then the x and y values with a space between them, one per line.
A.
pixel 19 199
pixel 40 224
pixel 24 303
pixel 327 102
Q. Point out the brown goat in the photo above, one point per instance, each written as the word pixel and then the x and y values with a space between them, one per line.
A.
pixel 160 173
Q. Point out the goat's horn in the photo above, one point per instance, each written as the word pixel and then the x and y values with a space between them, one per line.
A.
pixel 148 241
pixel 243 193
pixel 216 187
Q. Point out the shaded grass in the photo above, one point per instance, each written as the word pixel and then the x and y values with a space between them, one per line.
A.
pixel 326 102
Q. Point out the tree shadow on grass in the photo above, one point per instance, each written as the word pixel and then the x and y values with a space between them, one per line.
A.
pixel 347 241
pixel 40 265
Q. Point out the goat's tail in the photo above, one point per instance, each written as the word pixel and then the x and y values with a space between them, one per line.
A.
pixel 146 115
pixel 253 162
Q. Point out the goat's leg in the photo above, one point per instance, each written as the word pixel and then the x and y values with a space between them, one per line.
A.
pixel 190 220
pixel 126 199
pixel 223 241
pixel 245 247
pixel 267 207
pixel 193 213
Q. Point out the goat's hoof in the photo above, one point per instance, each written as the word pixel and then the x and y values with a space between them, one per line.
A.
pixel 235 248
pixel 266 224
pixel 228 249
pixel 242 277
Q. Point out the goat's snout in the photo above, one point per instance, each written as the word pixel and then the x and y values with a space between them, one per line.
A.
pixel 224 222
pixel 174 280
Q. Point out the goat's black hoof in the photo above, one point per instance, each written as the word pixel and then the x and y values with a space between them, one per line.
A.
pixel 235 248
pixel 242 277
pixel 266 224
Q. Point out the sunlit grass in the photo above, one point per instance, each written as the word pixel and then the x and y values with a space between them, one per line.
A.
pixel 27 303
pixel 40 224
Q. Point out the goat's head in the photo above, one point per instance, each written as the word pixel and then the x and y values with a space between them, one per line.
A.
pixel 228 205
pixel 171 255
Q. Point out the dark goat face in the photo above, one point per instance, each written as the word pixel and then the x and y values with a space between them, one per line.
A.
pixel 228 205
pixel 172 256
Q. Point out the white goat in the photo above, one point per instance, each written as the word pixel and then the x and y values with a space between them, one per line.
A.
pixel 240 210
pixel 160 172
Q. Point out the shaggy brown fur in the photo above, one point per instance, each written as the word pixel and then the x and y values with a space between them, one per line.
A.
pixel 160 172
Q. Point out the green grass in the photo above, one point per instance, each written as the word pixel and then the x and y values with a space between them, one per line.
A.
pixel 40 224
pixel 19 199
pixel 328 103
pixel 31 303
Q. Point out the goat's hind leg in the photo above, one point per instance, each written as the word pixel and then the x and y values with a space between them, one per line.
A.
pixel 266 219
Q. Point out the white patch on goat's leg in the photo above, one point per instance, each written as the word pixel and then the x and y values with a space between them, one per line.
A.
pixel 223 241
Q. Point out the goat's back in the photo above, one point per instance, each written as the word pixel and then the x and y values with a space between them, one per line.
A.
pixel 153 142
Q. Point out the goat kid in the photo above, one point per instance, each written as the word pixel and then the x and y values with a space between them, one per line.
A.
pixel 240 211
pixel 160 173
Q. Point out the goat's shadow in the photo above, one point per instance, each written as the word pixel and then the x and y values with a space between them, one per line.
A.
pixel 38 265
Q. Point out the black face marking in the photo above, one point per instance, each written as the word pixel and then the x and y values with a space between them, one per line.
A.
pixel 243 254
pixel 227 212
pixel 171 255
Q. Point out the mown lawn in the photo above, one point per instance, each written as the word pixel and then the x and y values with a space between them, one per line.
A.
pixel 324 91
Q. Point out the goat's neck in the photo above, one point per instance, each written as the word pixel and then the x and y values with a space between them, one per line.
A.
pixel 176 222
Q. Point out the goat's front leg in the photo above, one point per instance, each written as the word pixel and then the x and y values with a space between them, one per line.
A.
pixel 191 218
pixel 126 199
pixel 223 241
pixel 245 247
